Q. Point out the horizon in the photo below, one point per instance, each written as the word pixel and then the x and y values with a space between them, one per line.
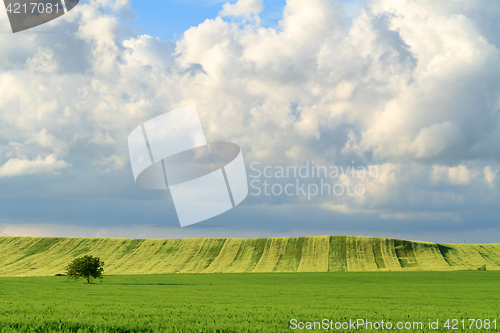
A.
pixel 319 235
pixel 339 84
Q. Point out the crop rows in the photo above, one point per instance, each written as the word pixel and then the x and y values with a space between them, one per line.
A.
pixel 38 256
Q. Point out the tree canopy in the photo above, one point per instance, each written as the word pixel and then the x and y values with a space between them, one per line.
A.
pixel 86 266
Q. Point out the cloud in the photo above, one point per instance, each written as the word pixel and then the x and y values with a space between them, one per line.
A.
pixel 421 216
pixel 244 8
pixel 408 86
pixel 489 175
pixel 43 61
pixel 19 167
pixel 433 140
pixel 202 3
pixel 456 175
pixel 112 163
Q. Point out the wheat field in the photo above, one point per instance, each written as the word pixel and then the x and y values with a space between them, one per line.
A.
pixel 43 256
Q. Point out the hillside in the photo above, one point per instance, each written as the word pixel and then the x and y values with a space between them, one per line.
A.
pixel 39 256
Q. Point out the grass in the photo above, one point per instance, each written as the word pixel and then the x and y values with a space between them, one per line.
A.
pixel 263 302
pixel 335 277
pixel 38 256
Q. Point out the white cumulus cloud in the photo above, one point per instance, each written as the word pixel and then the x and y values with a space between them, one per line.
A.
pixel 411 86
pixel 18 167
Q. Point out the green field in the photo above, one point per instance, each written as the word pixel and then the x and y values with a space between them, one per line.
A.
pixel 38 256
pixel 313 278
pixel 264 302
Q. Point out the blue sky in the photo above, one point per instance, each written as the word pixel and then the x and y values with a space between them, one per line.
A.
pixel 169 19
pixel 410 88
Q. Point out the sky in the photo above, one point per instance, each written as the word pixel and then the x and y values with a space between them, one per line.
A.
pixel 406 89
pixel 169 19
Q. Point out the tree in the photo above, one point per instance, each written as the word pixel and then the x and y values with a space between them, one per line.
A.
pixel 86 267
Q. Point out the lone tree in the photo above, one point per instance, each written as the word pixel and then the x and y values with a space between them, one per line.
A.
pixel 86 267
